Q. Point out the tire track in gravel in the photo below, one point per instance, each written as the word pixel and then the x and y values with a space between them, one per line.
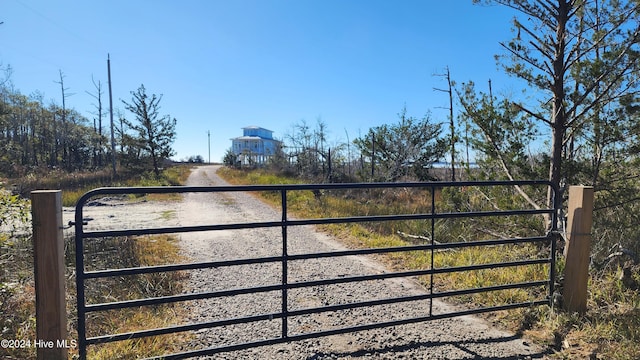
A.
pixel 457 338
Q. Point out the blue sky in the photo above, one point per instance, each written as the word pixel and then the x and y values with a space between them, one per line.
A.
pixel 221 65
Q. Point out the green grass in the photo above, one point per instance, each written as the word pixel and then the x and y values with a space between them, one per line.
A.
pixel 610 328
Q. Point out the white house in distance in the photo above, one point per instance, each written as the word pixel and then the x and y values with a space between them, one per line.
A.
pixel 255 146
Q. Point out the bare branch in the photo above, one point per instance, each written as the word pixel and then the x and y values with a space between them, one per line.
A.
pixel 535 115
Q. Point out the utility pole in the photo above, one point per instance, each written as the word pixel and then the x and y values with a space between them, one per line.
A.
pixel 451 124
pixel 98 128
pixel 209 141
pixel 113 136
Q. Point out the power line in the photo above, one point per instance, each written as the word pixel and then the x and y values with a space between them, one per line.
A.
pixel 54 23
pixel 86 43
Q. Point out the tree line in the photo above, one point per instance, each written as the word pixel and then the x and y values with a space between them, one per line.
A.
pixel 35 134
pixel 390 152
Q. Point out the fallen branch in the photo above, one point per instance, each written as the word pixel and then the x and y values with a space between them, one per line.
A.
pixel 615 255
pixel 403 234
pixel 495 207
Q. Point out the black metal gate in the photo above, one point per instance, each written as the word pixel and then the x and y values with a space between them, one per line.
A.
pixel 547 260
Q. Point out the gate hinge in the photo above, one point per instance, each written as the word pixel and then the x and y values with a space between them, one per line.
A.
pixel 557 234
pixel 73 223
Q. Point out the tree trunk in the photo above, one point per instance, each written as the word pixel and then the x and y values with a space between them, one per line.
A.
pixel 559 115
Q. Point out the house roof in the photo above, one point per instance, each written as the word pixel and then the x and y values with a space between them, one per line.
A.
pixel 253 127
pixel 253 138
pixel 248 138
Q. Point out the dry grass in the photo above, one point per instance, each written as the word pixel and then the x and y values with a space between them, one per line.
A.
pixel 145 251
pixel 411 201
pixel 18 300
pixel 74 185
pixel 17 294
pixel 609 330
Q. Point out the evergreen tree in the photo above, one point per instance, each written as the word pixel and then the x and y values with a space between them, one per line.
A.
pixel 583 57
pixel 154 134
pixel 409 147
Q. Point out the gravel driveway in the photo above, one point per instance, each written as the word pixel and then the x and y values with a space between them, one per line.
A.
pixel 458 338
pixel 464 337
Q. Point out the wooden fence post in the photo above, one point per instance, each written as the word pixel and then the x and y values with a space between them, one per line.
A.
pixel 578 248
pixel 48 243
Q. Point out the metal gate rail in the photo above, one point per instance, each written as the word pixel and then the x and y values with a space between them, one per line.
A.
pixel 82 275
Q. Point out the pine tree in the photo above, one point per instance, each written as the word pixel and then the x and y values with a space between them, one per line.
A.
pixel 154 133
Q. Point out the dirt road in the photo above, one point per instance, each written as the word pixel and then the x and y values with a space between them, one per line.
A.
pixel 458 338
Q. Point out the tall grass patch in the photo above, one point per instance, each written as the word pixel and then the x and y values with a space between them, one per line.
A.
pixel 17 292
pixel 126 252
pixel 17 295
pixel 74 185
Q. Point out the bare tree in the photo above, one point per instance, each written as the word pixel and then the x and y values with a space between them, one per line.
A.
pixel 98 96
pixel 452 126
pixel 63 117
